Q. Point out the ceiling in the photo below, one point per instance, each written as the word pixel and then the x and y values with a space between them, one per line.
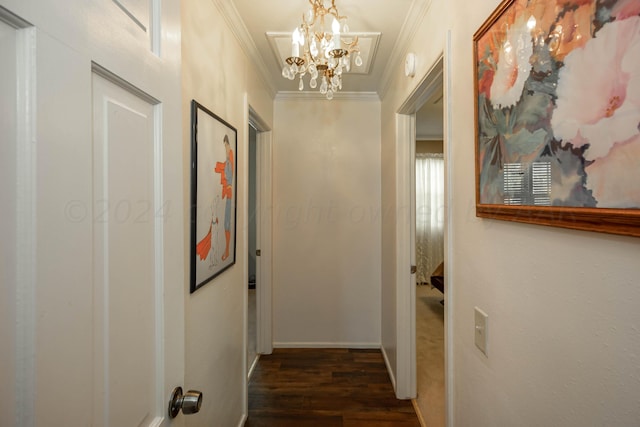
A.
pixel 393 20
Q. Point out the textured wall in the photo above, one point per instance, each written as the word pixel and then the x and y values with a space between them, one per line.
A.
pixel 326 283
pixel 564 324
pixel 217 74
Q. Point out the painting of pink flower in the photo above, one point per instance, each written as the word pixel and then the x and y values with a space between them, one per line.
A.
pixel 613 180
pixel 598 107
pixel 513 67
pixel 625 8
pixel 599 90
pixel 557 87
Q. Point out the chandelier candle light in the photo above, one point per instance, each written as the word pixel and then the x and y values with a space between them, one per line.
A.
pixel 322 54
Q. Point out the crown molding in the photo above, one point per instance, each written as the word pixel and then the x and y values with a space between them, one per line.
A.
pixel 417 12
pixel 316 95
pixel 231 15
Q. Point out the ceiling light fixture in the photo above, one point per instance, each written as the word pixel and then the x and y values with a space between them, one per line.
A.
pixel 324 55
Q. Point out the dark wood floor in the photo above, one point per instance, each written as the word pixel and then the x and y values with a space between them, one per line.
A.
pixel 325 388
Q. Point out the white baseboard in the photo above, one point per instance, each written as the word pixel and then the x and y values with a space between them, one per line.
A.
pixel 418 413
pixel 392 376
pixel 363 345
pixel 252 367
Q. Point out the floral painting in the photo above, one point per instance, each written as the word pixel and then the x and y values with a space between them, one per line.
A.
pixel 558 104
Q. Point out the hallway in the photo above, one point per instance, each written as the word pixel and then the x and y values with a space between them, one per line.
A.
pixel 325 387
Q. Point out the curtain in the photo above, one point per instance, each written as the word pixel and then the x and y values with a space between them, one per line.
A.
pixel 429 214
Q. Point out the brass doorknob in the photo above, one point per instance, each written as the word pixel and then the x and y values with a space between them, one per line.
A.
pixel 190 402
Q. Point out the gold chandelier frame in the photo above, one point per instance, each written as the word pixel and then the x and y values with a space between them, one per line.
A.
pixel 331 58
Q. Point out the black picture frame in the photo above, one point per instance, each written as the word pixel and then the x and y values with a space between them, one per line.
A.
pixel 214 143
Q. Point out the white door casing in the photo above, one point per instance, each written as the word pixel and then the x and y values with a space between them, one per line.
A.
pixel 99 283
pixel 406 386
pixel 264 241
pixel 264 233
pixel 438 75
pixel 8 225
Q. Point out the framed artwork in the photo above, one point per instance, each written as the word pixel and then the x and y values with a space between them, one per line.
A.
pixel 557 96
pixel 213 195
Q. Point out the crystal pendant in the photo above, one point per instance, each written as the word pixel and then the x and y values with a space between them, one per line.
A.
pixel 329 94
pixel 358 60
pixel 308 16
pixel 301 84
pixel 323 86
pixel 313 83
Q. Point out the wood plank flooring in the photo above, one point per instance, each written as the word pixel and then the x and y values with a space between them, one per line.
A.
pixel 325 388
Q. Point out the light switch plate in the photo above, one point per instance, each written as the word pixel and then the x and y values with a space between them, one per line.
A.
pixel 481 330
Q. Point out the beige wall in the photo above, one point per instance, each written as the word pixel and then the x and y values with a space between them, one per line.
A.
pixel 563 305
pixel 217 74
pixel 432 29
pixel 326 177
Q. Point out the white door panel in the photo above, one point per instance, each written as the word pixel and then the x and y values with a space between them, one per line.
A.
pixel 126 288
pixel 137 11
pixel 60 287
pixel 101 26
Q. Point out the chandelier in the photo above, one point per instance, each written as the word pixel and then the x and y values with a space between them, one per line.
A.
pixel 323 55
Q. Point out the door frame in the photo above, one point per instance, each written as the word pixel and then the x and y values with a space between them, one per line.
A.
pixel 438 74
pixel 24 246
pixel 264 178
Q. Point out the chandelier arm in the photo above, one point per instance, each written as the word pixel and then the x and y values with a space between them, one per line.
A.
pixel 353 44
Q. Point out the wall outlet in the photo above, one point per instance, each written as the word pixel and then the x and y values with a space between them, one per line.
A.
pixel 481 330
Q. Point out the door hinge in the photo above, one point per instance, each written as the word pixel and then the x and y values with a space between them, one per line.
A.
pixel 414 269
pixel 258 252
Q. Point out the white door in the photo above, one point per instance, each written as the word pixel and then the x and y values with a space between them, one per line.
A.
pixel 94 165
pixel 264 187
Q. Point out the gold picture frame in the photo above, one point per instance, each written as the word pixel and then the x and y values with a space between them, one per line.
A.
pixel 557 114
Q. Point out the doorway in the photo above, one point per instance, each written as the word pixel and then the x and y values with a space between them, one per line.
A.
pixel 429 247
pixel 259 252
pixel 436 79
pixel 252 353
